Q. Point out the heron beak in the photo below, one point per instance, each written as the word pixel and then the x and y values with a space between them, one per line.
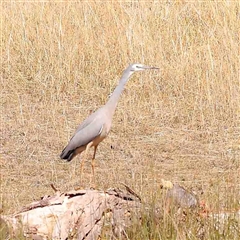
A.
pixel 149 67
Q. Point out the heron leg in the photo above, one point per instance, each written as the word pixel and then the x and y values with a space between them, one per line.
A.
pixel 83 159
pixel 81 169
pixel 93 163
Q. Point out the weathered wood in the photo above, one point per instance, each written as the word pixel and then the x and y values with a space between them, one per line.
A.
pixel 74 215
pixel 82 214
pixel 179 197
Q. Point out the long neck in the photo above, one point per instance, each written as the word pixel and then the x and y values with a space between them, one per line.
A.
pixel 113 100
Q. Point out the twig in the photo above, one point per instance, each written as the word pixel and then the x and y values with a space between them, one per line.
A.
pixel 132 192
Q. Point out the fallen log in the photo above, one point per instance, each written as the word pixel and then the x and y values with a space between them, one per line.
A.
pixel 85 214
pixel 75 215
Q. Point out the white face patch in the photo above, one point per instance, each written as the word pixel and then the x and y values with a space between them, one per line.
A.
pixel 138 67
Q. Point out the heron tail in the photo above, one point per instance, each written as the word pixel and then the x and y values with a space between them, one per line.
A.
pixel 67 155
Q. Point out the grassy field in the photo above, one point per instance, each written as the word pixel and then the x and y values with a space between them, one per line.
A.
pixel 61 61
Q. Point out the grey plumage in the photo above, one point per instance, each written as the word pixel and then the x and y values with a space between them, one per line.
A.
pixel 97 126
pixel 85 133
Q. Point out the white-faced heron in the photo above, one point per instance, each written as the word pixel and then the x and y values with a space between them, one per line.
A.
pixel 97 126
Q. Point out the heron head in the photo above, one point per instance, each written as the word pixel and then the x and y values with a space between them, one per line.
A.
pixel 140 67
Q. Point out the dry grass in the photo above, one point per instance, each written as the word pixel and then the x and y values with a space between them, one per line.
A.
pixel 60 61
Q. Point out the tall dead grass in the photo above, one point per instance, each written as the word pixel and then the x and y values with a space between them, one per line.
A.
pixel 60 61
